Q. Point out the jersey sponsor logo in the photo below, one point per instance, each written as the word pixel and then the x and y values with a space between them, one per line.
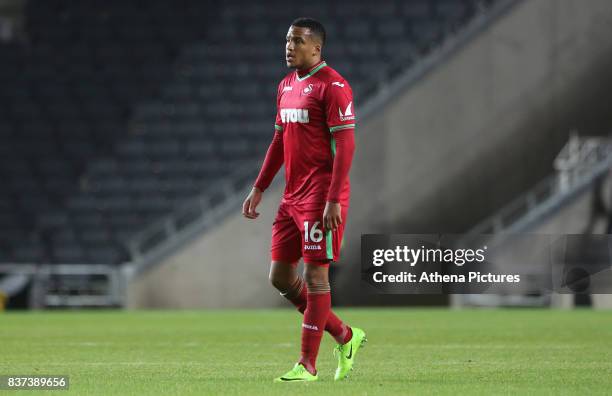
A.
pixel 312 247
pixel 285 89
pixel 307 90
pixel 295 115
pixel 310 327
pixel 348 113
pixel 338 84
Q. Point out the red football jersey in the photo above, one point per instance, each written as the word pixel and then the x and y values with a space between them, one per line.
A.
pixel 309 110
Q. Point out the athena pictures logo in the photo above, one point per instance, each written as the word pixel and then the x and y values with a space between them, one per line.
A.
pixel 480 263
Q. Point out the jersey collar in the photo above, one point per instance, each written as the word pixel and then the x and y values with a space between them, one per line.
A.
pixel 310 71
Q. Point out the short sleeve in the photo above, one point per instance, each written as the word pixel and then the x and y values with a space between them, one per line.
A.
pixel 339 106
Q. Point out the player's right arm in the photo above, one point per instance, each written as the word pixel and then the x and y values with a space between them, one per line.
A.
pixel 271 165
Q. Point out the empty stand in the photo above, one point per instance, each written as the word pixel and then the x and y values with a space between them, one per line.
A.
pixel 114 114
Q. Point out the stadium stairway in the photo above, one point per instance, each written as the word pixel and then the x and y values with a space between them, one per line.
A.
pixel 93 159
pixel 213 115
pixel 565 203
pixel 435 152
pixel 94 151
pixel 368 70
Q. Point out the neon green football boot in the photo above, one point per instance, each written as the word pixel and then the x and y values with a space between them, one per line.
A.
pixel 346 353
pixel 297 374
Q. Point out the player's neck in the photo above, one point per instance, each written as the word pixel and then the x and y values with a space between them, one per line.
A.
pixel 305 70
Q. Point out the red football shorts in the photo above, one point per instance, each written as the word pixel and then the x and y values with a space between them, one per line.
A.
pixel 298 231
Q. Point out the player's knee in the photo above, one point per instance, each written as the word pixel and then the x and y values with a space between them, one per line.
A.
pixel 316 279
pixel 281 275
pixel 275 282
pixel 278 281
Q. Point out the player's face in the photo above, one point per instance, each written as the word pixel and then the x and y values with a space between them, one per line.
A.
pixel 301 50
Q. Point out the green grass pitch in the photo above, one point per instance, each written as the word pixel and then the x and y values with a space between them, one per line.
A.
pixel 239 352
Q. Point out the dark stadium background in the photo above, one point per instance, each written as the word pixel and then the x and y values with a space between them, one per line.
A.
pixel 132 130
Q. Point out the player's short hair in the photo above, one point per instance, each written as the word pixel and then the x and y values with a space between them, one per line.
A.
pixel 316 27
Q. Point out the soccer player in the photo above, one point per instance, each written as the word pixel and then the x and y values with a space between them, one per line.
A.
pixel 314 138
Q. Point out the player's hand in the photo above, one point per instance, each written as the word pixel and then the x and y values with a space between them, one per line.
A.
pixel 332 217
pixel 250 204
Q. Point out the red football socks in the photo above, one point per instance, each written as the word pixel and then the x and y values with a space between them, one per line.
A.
pixel 315 317
pixel 334 326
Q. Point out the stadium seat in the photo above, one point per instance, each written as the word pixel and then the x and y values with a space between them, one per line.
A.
pixel 116 113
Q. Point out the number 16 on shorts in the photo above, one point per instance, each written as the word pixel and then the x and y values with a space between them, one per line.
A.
pixel 318 245
pixel 315 234
pixel 298 232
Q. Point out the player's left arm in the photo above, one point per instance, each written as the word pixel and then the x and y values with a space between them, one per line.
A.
pixel 341 123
